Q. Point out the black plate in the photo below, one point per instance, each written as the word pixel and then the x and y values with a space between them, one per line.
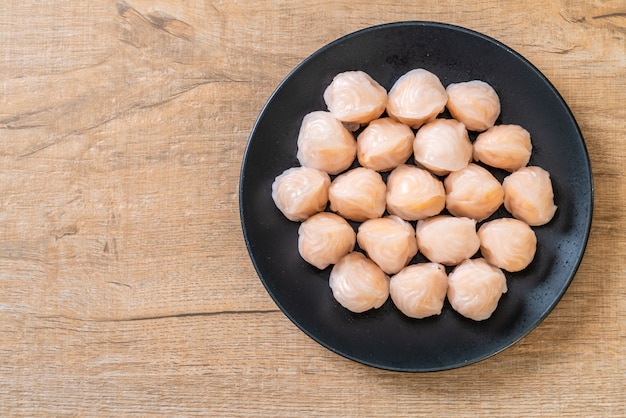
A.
pixel 385 338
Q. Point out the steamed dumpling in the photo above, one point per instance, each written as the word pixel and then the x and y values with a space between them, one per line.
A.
pixel 447 239
pixel 354 96
pixel 389 242
pixel 473 192
pixel 324 143
pixel 475 288
pixel 300 192
pixel 416 98
pixel 507 243
pixel 384 144
pixel 358 194
pixel 475 103
pixel 528 195
pixel 358 284
pixel 324 239
pixel 414 193
pixel 419 290
pixel 504 146
pixel 443 146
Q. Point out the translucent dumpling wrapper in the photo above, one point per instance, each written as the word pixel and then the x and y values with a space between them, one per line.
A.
pixel 474 103
pixel 325 143
pixel 324 239
pixel 389 242
pixel 414 193
pixel 300 192
pixel 507 243
pixel 384 144
pixel 416 98
pixel 473 192
pixel 351 126
pixel 504 146
pixel 528 195
pixel 358 194
pixel 442 146
pixel 358 284
pixel 447 239
pixel 475 288
pixel 354 96
pixel 419 290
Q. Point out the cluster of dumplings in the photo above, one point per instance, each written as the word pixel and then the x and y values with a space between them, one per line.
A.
pixel 434 207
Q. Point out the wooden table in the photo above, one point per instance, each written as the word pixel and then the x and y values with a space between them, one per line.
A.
pixel 125 284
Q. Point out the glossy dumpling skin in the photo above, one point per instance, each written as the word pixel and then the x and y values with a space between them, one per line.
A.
pixel 358 194
pixel 358 284
pixel 414 193
pixel 442 146
pixel 324 143
pixel 504 146
pixel 324 239
pixel 384 144
pixel 354 96
pixel 528 195
pixel 507 243
pixel 473 192
pixel 300 192
pixel 419 290
pixel 447 239
pixel 475 288
pixel 389 242
pixel 416 98
pixel 475 103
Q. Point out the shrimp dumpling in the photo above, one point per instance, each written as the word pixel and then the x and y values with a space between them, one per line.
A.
pixel 416 98
pixel 475 288
pixel 475 103
pixel 389 242
pixel 358 194
pixel 324 239
pixel 354 96
pixel 442 146
pixel 473 192
pixel 419 290
pixel 528 195
pixel 504 146
pixel 507 243
pixel 300 192
pixel 358 284
pixel 384 144
pixel 414 193
pixel 447 239
pixel 325 143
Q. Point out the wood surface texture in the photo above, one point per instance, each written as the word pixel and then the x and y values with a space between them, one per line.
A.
pixel 125 284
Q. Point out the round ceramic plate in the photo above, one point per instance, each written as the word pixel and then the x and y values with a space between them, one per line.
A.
pixel 384 337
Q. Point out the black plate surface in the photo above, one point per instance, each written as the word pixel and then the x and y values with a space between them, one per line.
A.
pixel 385 338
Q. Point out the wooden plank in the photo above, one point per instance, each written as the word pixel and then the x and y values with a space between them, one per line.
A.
pixel 125 285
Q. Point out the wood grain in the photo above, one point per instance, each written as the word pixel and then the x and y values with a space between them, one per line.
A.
pixel 125 285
